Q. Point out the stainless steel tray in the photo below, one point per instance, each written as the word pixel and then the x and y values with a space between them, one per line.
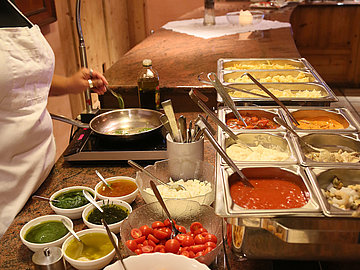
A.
pixel 225 207
pixel 297 76
pixel 225 113
pixel 334 141
pixel 321 177
pixel 281 141
pixel 230 63
pixel 342 115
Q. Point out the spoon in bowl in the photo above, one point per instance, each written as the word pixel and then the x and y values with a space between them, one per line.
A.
pixel 82 244
pixel 92 201
pixel 103 179
pixel 44 198
pixel 175 231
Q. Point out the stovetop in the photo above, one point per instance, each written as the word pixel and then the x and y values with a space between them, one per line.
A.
pixel 87 146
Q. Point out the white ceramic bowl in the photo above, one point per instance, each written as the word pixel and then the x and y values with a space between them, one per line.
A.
pixel 115 227
pixel 73 213
pixel 234 18
pixel 93 264
pixel 36 221
pixel 127 198
pixel 158 261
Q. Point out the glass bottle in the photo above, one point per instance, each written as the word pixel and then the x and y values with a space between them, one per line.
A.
pixel 209 14
pixel 148 87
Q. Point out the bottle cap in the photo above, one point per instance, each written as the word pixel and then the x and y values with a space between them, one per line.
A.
pixel 147 62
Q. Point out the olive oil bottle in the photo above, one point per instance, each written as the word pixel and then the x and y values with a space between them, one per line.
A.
pixel 148 87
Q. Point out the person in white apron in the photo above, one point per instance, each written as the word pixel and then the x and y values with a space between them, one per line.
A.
pixel 27 146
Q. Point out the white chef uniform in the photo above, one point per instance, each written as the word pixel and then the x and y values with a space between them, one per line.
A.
pixel 27 146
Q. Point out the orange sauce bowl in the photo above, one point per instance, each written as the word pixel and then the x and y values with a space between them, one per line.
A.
pixel 124 188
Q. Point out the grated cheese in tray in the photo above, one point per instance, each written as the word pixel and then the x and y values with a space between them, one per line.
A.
pixel 193 188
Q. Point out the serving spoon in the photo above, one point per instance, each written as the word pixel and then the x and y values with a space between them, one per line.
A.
pixel 175 231
pixel 103 179
pixel 92 201
pixel 82 244
pixel 172 186
pixel 44 198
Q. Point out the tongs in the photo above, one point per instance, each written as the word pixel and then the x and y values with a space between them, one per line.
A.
pixel 222 153
pixel 272 96
pixel 196 98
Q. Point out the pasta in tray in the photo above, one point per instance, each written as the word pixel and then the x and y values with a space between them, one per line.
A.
pixel 286 93
pixel 268 65
pixel 301 77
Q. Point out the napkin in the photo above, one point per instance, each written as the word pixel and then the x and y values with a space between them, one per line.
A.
pixel 222 27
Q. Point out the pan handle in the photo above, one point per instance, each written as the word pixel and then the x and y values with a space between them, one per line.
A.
pixel 73 122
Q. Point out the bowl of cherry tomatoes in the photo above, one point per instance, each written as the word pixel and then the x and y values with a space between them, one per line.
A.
pixel 148 230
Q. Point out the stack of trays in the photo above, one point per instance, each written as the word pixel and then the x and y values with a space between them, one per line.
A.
pixel 293 81
pixel 314 176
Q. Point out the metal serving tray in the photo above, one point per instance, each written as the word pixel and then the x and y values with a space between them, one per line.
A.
pixel 282 140
pixel 321 177
pixel 342 115
pixel 226 76
pixel 225 113
pixel 225 207
pixel 326 93
pixel 230 63
pixel 334 141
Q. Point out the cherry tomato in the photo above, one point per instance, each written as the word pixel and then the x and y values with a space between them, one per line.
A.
pixel 195 226
pixel 185 253
pixel 147 249
pixel 200 231
pixel 180 237
pixel 159 234
pixel 131 244
pixel 153 238
pixel 136 233
pixel 167 230
pixel 151 243
pixel 140 239
pixel 197 248
pixel 207 250
pixel 172 246
pixel 200 239
pixel 182 229
pixel 167 222
pixel 157 224
pixel 191 254
pixel 211 238
pixel 210 244
pixel 138 251
pixel 146 230
pixel 160 248
pixel 198 254
pixel 188 241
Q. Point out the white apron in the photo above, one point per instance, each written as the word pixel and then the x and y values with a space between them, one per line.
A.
pixel 27 146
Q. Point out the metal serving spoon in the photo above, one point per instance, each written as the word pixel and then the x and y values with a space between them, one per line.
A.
pixel 43 198
pixel 92 201
pixel 82 244
pixel 175 231
pixel 103 179
pixel 137 166
pixel 118 97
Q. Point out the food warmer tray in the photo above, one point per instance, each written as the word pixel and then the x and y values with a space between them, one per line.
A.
pixel 342 115
pixel 332 141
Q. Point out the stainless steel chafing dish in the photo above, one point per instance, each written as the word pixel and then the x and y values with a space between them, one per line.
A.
pixel 332 142
pixel 268 112
pixel 274 140
pixel 341 115
pixel 265 63
pixel 322 177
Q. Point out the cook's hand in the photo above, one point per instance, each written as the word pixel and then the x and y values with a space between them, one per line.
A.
pixel 82 80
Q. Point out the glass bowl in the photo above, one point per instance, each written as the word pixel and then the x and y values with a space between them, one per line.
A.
pixel 184 212
pixel 166 171
pixel 234 18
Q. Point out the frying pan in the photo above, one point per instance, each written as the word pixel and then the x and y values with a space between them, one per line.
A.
pixel 122 124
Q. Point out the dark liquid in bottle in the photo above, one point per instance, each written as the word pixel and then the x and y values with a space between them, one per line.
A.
pixel 148 89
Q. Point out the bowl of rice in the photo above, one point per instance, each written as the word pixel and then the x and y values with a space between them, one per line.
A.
pixel 197 178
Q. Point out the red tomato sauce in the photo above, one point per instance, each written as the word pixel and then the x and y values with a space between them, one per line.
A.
pixel 252 121
pixel 268 194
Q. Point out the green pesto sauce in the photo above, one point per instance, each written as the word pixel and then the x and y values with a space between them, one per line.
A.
pixel 71 199
pixel 46 232
pixel 112 213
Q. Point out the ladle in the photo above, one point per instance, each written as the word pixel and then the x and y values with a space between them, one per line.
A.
pixel 137 166
pixel 175 231
pixel 103 179
pixel 117 250
pixel 82 244
pixel 281 122
pixel 91 200
pixel 223 154
pixel 44 198
pixel 272 96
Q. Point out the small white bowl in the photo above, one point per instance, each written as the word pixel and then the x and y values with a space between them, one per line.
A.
pixel 115 227
pixel 93 264
pixel 127 198
pixel 158 261
pixel 36 221
pixel 73 213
